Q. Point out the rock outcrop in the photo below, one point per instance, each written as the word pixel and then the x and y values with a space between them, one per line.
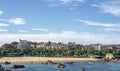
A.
pixel 109 56
pixel 50 62
pixel 7 62
pixel 61 65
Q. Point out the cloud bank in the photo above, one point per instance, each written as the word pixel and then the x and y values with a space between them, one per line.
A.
pixel 106 26
pixel 111 7
pixel 92 23
pixel 64 36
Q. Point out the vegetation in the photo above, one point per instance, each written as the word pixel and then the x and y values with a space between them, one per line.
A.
pixel 79 51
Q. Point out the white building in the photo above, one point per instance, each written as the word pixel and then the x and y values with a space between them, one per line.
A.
pixel 23 44
pixel 40 45
pixel 99 47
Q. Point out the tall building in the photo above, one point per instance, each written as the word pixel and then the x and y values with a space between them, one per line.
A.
pixel 23 44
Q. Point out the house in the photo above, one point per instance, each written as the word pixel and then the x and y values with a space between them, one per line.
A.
pixel 65 47
pixel 40 45
pixel 61 45
pixel 112 47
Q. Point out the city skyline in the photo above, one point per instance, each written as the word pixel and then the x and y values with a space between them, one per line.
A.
pixel 80 21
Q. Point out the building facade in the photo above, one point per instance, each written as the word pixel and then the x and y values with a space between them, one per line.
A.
pixel 23 44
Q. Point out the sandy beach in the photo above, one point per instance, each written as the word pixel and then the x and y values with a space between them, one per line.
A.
pixel 44 59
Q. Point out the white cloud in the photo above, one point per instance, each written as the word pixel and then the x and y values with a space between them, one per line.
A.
pixel 111 7
pixel 4 25
pixel 112 29
pixel 37 29
pixel 70 1
pixel 22 31
pixel 55 3
pixel 64 36
pixel 3 30
pixel 65 1
pixel 98 23
pixel 1 12
pixel 17 21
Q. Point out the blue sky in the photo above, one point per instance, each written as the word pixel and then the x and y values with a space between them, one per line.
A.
pixel 81 21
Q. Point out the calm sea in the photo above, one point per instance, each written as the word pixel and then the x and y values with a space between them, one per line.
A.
pixel 89 66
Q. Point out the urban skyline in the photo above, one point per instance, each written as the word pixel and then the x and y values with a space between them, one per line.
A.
pixel 80 21
pixel 59 45
pixel 43 42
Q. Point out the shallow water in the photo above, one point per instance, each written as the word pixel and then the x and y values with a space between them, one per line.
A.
pixel 89 66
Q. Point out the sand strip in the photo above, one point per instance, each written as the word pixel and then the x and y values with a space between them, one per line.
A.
pixel 44 59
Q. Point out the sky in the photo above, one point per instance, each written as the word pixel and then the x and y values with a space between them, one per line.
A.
pixel 80 21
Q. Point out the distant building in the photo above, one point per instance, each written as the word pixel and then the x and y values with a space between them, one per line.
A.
pixel 48 44
pixel 96 46
pixel 53 45
pixel 40 45
pixel 112 47
pixel 65 47
pixel 6 46
pixel 14 44
pixel 71 45
pixel 118 47
pixel 23 44
pixel 61 45
pixel 103 47
pixel 99 47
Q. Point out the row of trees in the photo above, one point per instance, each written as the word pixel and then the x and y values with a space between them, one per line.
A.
pixel 79 51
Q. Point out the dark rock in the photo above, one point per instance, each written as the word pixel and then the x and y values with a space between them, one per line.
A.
pixel 18 66
pixel 49 62
pixel 31 62
pixel 7 62
pixel 106 60
pixel 55 63
pixel 61 65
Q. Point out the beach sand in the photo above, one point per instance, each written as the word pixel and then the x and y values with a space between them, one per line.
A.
pixel 44 59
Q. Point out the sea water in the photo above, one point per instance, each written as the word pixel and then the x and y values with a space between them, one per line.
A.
pixel 89 66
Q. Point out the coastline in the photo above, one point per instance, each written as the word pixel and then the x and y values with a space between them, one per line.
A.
pixel 44 59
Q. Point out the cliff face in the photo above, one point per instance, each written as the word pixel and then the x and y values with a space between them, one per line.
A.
pixel 109 56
